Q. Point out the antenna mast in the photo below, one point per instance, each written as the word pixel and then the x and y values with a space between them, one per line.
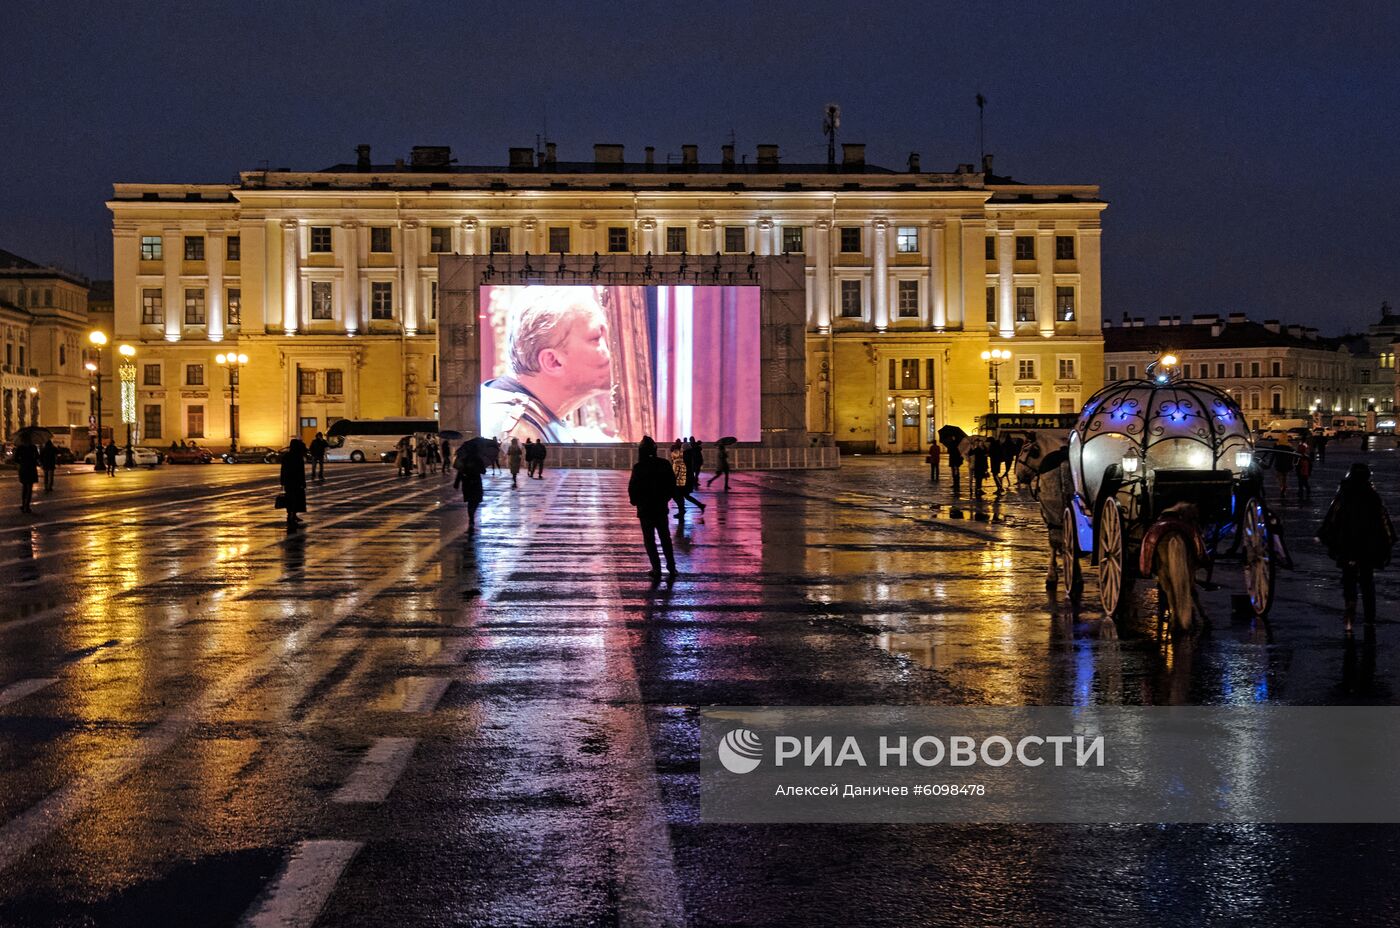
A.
pixel 830 124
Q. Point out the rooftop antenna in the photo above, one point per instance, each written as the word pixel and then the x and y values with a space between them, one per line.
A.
pixel 981 127
pixel 830 124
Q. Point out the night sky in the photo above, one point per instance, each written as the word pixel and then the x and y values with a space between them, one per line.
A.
pixel 1248 151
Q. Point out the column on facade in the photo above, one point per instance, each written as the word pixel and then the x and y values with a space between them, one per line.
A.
pixel 880 274
pixel 820 316
pixel 974 272
pixel 126 295
pixel 410 276
pixel 173 247
pixel 291 277
pixel 1006 280
pixel 350 275
pixel 1045 285
pixel 1088 308
pixel 764 245
pixel 214 248
pixel 938 308
pixel 587 240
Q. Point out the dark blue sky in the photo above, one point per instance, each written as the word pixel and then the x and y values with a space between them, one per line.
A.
pixel 1248 151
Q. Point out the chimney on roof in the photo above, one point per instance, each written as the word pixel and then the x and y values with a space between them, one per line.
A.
pixel 726 155
pixel 964 169
pixel 1296 331
pixel 1164 320
pixel 1205 319
pixel 550 155
pixel 986 164
pixel 690 155
pixel 362 162
pixel 651 155
pixel 522 159
pixel 767 157
pixel 430 157
pixel 1272 325
pixel 853 155
pixel 1106 324
pixel 1216 328
pixel 398 164
pixel 913 162
pixel 607 154
pixel 1238 319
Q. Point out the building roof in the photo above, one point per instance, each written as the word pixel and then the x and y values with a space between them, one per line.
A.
pixel 13 265
pixel 1222 334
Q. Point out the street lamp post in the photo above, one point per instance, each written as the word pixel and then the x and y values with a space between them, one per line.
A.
pixel 994 359
pixel 234 362
pixel 128 393
pixel 98 340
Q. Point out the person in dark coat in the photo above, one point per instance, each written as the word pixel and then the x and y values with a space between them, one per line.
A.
pixel 110 452
pixel 955 463
pixel 721 466
pixel 978 458
pixel 446 454
pixel 319 446
pixel 932 460
pixel 470 468
pixel 27 460
pixel 650 490
pixel 684 485
pixel 694 462
pixel 1359 536
pixel 995 452
pixel 541 449
pixel 48 460
pixel 293 479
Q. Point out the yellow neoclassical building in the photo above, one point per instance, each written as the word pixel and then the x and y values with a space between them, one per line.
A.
pixel 327 281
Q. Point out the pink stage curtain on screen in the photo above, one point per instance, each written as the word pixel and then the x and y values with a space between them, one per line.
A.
pixel 707 366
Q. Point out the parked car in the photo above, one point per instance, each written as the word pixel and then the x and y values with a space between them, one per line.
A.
pixel 65 455
pixel 188 456
pixel 258 454
pixel 143 457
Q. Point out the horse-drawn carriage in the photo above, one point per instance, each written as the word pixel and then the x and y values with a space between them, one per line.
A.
pixel 1160 474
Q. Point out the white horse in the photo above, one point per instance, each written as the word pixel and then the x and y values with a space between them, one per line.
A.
pixel 1043 465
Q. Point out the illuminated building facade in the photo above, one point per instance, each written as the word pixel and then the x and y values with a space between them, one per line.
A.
pixel 44 325
pixel 328 280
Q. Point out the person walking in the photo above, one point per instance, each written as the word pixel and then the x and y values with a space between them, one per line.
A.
pixel 994 460
pixel 1322 448
pixel 529 454
pixel 513 455
pixel 650 490
pixel 1359 537
pixel 27 461
pixel 319 446
pixel 685 481
pixel 541 449
pixel 955 463
pixel 721 466
pixel 977 466
pixel 110 453
pixel 694 461
pixel 48 460
pixel 932 461
pixel 1304 471
pixel 470 469
pixel 446 450
pixel 293 478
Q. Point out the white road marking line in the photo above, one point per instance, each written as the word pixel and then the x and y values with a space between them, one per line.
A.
pixel 378 771
pixel 303 886
pixel 19 835
pixel 17 691
pixel 422 693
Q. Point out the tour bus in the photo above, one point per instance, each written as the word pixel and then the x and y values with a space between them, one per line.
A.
pixel 360 440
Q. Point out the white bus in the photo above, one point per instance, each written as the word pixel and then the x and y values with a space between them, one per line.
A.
pixel 360 440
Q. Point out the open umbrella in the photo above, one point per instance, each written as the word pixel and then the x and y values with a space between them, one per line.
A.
pixel 728 440
pixel 950 436
pixel 33 434
pixel 450 434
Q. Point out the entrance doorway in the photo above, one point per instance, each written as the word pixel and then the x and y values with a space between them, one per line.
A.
pixel 909 423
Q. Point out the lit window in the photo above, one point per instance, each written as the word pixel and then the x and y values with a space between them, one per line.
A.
pixel 194 421
pixel 306 382
pixel 234 305
pixel 1064 304
pixel 1025 369
pixel 153 307
pixel 906 240
pixel 194 306
pixel 151 248
pixel 1067 371
pixel 792 240
pixel 335 382
pixel 1025 304
pixel 321 307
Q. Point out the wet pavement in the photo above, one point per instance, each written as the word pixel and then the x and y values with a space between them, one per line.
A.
pixel 383 719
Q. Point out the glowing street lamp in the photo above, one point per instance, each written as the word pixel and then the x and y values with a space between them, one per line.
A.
pixel 99 341
pixel 995 358
pixel 127 373
pixel 233 362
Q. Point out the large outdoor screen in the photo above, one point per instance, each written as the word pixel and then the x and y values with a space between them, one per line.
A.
pixel 611 364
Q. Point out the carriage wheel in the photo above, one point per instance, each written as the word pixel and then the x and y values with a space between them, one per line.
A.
pixel 1260 565
pixel 1069 559
pixel 1113 577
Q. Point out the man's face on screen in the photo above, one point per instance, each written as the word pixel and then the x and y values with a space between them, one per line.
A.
pixel 584 359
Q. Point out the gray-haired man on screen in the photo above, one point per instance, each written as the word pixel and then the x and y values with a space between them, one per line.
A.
pixel 559 358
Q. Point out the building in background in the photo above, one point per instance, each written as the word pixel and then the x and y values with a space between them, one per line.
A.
pixel 1274 371
pixel 44 315
pixel 1375 351
pixel 327 280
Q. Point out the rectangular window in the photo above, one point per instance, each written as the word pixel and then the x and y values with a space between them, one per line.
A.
pixel 440 240
pixel 908 299
pixel 1220 371
pixel 558 239
pixel 194 421
pixel 433 300
pixel 153 307
pixel 233 250
pixel 1025 304
pixel 320 240
pixel 1025 369
pixel 894 376
pixel 1239 369
pixel 194 248
pixel 675 238
pixel 381 239
pixel 194 306
pixel 150 375
pixel 1186 371
pixel 1132 372
pixel 335 382
pixel 194 375
pixel 307 422
pixel 1025 406
pixel 1067 405
pixel 991 248
pixel 321 299
pixel 617 238
pixel 1112 372
pixel 734 237
pixel 381 299
pixel 1254 368
pixel 1067 371
pixel 792 240
pixel 850 299
pixel 992 304
pixel 906 240
pixel 152 248
pixel 1276 402
pixel 850 240
pixel 909 374
pixel 1064 248
pixel 234 304
pixel 1277 368
pixel 1064 304
pixel 150 421
pixel 1025 248
pixel 306 382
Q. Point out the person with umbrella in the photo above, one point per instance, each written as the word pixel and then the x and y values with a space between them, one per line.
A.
pixel 470 465
pixel 293 480
pixel 722 461
pixel 27 460
pixel 952 437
